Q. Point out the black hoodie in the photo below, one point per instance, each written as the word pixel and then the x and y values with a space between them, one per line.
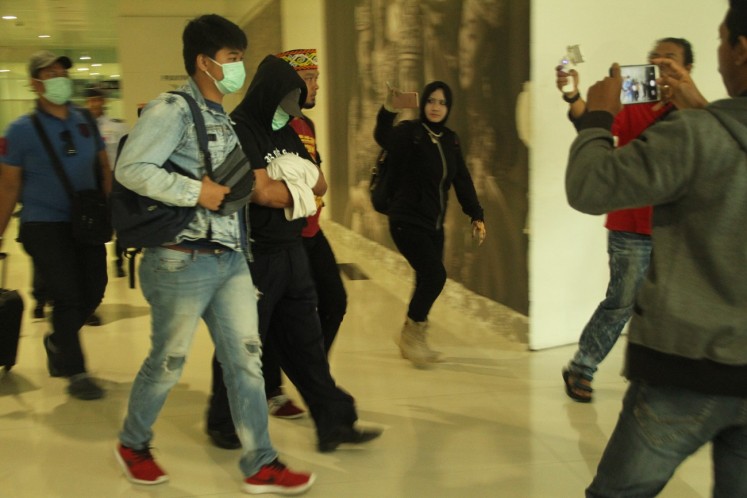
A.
pixel 273 80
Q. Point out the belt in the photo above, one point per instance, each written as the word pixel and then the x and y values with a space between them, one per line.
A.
pixel 203 250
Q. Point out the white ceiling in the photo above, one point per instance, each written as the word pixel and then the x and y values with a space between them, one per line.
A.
pixel 91 26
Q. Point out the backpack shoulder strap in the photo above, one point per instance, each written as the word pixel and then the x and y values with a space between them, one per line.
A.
pixel 200 129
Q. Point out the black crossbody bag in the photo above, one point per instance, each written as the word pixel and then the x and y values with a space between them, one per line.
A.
pixel 90 215
pixel 141 221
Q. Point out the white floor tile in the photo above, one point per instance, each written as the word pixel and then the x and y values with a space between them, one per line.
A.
pixel 491 420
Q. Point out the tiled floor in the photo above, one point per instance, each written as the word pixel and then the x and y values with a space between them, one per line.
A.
pixel 491 421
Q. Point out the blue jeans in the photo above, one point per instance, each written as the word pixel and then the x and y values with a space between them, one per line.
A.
pixel 629 256
pixel 181 288
pixel 658 428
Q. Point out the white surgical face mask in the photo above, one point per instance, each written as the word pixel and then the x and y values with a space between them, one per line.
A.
pixel 234 75
pixel 57 90
pixel 280 119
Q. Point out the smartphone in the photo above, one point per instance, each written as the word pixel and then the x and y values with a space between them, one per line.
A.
pixel 639 84
pixel 405 100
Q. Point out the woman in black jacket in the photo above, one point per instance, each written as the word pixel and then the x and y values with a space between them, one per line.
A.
pixel 425 160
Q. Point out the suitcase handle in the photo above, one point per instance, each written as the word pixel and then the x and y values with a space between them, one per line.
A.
pixel 4 272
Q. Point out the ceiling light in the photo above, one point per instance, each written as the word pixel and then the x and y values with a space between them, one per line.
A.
pixel 82 69
pixel 94 74
pixel 114 76
pixel 9 18
pixel 4 70
pixel 43 36
pixel 85 57
pixel 96 65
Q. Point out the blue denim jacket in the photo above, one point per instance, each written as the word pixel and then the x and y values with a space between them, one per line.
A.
pixel 165 130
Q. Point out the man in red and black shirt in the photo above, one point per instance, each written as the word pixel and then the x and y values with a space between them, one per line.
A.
pixel 629 236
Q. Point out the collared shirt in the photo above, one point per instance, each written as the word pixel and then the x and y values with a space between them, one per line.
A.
pixel 112 130
pixel 42 194
pixel 166 130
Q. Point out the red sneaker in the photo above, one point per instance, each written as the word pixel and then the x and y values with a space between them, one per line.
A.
pixel 279 479
pixel 139 466
pixel 281 406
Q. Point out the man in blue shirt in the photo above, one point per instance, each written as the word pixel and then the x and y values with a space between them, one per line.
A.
pixel 74 273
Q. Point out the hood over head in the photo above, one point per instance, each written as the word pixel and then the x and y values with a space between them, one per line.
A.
pixel 274 80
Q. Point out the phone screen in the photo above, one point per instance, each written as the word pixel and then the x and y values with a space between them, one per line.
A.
pixel 639 84
pixel 405 100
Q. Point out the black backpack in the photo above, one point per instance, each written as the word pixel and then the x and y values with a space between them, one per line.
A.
pixel 144 222
pixel 381 187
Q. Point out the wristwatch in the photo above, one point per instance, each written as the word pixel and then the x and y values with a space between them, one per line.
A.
pixel 573 99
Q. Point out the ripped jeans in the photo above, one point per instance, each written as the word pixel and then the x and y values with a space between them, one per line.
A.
pixel 181 288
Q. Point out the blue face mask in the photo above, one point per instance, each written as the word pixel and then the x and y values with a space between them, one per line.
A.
pixel 280 119
pixel 234 75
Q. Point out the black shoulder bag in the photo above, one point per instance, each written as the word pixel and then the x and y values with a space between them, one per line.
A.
pixel 90 215
pixel 144 222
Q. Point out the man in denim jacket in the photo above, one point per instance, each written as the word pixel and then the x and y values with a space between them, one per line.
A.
pixel 203 272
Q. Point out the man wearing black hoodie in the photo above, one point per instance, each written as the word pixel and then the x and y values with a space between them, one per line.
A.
pixel 285 179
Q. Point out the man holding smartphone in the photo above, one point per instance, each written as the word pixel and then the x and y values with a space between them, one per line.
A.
pixel 629 231
pixel 686 357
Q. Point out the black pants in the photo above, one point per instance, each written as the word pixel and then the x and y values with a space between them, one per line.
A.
pixel 287 313
pixel 424 250
pixel 38 289
pixel 331 306
pixel 119 252
pixel 74 277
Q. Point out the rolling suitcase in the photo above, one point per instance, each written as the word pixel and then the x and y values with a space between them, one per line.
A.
pixel 11 312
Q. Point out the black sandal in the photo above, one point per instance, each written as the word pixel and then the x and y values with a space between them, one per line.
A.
pixel 577 386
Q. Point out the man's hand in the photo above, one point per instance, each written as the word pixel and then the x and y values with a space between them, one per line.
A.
pixel 604 95
pixel 212 194
pixel 561 80
pixel 677 87
pixel 478 231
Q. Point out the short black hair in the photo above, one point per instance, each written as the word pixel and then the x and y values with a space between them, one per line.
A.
pixel 736 20
pixel 685 45
pixel 93 92
pixel 206 35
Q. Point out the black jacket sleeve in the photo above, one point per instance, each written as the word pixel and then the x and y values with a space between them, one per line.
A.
pixel 465 188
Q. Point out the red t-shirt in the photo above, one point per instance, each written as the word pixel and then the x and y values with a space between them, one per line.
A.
pixel 306 133
pixel 628 125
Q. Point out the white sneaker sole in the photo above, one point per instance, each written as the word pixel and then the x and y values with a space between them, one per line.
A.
pixel 258 489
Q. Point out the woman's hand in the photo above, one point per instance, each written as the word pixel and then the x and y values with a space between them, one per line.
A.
pixel 478 231
pixel 391 92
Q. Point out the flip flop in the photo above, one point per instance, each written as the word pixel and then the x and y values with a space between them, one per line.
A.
pixel 577 387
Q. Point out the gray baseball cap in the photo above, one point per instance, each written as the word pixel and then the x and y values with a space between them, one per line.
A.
pixel 45 58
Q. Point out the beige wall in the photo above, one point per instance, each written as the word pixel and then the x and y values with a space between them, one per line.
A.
pixel 568 258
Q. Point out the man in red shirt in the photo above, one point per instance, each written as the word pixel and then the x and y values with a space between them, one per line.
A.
pixel 629 237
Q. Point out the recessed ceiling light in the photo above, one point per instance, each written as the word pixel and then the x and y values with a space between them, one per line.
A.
pixel 9 18
pixel 85 57
pixel 4 70
pixel 114 76
pixel 43 36
pixel 83 69
pixel 96 65
pixel 94 74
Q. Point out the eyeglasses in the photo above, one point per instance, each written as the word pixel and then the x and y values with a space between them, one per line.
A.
pixel 68 146
pixel 437 101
